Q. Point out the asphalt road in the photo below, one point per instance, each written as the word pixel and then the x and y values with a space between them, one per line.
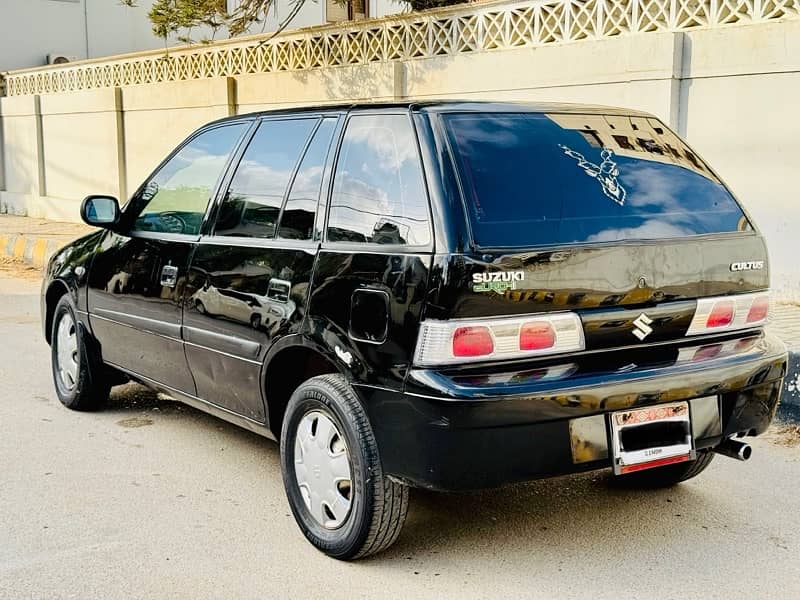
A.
pixel 151 499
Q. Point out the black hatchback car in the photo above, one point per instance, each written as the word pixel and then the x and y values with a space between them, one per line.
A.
pixel 451 295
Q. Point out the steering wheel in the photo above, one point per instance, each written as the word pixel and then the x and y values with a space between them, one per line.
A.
pixel 172 222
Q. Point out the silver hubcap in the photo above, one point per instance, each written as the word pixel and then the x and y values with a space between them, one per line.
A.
pixel 322 469
pixel 67 352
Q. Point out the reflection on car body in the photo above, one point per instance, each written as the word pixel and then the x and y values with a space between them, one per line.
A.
pixel 258 311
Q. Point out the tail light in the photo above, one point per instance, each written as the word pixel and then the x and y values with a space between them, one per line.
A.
pixel 722 314
pixel 537 335
pixel 472 341
pixel 758 310
pixel 729 313
pixel 460 341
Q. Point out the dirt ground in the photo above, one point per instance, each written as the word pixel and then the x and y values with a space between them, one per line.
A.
pixel 15 267
pixel 784 434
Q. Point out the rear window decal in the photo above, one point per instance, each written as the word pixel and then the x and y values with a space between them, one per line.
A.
pixel 606 173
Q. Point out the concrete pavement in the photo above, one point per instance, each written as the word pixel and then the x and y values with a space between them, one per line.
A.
pixel 151 499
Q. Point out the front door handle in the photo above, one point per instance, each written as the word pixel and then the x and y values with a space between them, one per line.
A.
pixel 169 276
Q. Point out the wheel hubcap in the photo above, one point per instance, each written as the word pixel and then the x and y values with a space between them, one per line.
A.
pixel 67 352
pixel 322 469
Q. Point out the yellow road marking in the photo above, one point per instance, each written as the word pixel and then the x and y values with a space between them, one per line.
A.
pixel 19 248
pixel 39 249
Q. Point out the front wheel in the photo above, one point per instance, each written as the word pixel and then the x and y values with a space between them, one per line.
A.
pixel 338 493
pixel 667 476
pixel 79 377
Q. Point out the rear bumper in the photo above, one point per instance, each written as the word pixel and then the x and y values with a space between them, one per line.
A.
pixel 472 429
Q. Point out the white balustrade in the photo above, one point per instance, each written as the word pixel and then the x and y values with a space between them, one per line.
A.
pixel 475 27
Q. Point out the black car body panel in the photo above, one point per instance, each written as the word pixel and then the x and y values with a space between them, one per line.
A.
pixel 481 428
pixel 664 277
pixel 220 321
pixel 234 309
pixel 135 319
pixel 66 272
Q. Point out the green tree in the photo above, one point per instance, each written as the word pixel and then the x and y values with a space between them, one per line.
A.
pixel 180 17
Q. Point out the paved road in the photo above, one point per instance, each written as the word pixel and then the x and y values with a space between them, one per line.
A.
pixel 151 499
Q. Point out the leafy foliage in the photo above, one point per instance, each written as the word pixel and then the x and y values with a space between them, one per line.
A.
pixel 180 17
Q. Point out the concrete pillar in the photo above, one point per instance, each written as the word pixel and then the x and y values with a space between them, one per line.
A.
pixel 40 182
pixel 232 99
pixel 681 55
pixel 399 81
pixel 119 118
pixel 2 155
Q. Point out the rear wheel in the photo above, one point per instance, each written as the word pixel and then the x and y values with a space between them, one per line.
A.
pixel 79 376
pixel 340 497
pixel 668 475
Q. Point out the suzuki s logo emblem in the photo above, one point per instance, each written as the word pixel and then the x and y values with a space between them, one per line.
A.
pixel 642 326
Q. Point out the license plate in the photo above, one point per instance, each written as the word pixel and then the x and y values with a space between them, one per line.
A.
pixel 651 437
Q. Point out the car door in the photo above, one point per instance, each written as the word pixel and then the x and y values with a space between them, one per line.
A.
pixel 372 271
pixel 135 286
pixel 258 256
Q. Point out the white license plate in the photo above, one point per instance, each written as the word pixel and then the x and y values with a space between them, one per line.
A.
pixel 656 436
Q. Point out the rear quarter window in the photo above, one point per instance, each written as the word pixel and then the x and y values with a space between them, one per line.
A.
pixel 379 194
pixel 531 179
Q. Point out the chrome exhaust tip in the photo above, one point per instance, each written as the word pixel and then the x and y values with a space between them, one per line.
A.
pixel 734 449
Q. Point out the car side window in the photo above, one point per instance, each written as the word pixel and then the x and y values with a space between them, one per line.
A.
pixel 379 194
pixel 175 198
pixel 253 202
pixel 297 220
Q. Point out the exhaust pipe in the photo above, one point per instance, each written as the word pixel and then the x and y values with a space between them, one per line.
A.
pixel 734 449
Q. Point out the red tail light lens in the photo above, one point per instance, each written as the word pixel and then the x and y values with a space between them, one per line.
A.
pixel 537 335
pixel 472 341
pixel 759 310
pixel 722 314
pixel 729 313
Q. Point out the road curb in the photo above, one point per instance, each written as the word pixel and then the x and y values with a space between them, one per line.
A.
pixel 35 251
pixel 789 409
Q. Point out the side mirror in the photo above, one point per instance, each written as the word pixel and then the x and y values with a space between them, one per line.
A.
pixel 100 211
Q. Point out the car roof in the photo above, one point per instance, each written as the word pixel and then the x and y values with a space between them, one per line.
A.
pixel 438 106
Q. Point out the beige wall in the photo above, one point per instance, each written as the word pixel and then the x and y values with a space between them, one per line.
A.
pixel 739 100
pixel 19 154
pixel 158 117
pixel 732 92
pixel 635 71
pixel 85 121
pixel 279 90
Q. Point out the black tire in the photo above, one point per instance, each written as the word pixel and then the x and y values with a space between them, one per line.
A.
pixel 378 504
pixel 88 389
pixel 667 476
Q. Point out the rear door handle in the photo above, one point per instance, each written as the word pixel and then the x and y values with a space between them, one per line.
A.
pixel 169 276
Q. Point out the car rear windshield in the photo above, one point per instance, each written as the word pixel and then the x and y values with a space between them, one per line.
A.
pixel 533 179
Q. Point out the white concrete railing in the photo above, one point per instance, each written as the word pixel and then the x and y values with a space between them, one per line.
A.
pixel 467 28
